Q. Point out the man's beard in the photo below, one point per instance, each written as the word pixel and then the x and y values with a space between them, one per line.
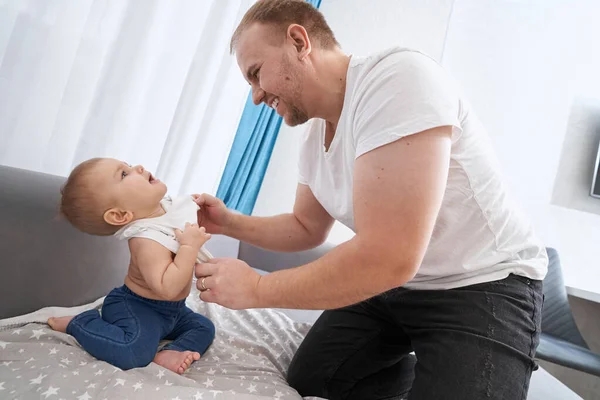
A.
pixel 296 117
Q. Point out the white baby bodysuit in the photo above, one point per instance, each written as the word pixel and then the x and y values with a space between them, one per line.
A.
pixel 161 229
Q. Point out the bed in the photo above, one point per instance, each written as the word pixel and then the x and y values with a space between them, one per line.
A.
pixel 48 268
pixel 247 360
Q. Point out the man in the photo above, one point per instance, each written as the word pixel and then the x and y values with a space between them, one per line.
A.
pixel 442 263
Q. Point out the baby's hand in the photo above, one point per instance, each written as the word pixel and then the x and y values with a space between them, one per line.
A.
pixel 192 235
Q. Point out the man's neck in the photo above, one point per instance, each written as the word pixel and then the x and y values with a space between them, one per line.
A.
pixel 330 85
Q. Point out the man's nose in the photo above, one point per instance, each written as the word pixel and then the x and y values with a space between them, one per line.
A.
pixel 139 169
pixel 257 95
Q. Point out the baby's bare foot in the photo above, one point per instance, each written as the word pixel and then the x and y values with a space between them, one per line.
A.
pixel 60 323
pixel 176 361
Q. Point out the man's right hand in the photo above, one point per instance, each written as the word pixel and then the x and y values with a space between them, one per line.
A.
pixel 213 214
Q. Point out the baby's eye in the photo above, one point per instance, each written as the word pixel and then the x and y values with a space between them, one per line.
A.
pixel 123 174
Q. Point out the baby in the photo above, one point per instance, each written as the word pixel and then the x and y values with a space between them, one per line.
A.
pixel 104 196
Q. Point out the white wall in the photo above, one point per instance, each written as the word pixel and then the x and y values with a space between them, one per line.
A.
pixel 522 64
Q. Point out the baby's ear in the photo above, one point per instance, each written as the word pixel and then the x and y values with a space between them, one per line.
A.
pixel 117 217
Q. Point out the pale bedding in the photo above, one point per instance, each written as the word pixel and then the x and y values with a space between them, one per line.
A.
pixel 248 360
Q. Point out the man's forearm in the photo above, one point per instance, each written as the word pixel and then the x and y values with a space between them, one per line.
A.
pixel 278 233
pixel 346 275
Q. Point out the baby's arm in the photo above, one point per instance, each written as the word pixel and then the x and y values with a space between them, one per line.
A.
pixel 166 275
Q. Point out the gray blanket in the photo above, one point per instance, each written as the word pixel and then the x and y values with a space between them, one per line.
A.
pixel 247 360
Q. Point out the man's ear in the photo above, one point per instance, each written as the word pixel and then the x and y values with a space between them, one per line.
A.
pixel 117 217
pixel 299 37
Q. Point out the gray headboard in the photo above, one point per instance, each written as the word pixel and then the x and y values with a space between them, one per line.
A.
pixel 44 261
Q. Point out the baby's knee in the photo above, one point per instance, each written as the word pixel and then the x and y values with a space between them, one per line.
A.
pixel 133 358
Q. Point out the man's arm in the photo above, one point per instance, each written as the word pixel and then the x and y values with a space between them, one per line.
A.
pixel 166 276
pixel 305 228
pixel 398 191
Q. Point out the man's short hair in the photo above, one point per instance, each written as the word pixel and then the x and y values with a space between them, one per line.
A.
pixel 281 14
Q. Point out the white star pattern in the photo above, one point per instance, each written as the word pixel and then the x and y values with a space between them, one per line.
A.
pixel 38 380
pixel 36 334
pixel 17 331
pixel 51 391
pixel 84 396
pixel 21 350
pixel 248 362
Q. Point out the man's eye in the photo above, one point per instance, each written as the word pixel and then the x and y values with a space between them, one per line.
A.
pixel 123 174
pixel 257 74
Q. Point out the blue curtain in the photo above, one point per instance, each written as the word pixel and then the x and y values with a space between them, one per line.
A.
pixel 250 154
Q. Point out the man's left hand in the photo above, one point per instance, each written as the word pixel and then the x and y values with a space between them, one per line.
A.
pixel 229 282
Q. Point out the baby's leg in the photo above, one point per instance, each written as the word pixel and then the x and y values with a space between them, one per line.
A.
pixel 118 337
pixel 191 336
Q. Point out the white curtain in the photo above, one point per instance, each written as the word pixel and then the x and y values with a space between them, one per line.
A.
pixel 146 81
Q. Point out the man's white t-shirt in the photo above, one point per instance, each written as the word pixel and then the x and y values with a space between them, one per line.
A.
pixel 480 235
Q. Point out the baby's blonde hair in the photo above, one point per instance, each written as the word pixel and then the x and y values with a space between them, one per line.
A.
pixel 81 204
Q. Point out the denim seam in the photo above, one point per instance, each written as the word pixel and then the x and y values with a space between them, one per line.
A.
pixel 532 346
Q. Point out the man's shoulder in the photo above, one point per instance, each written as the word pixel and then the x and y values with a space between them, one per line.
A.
pixel 394 58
